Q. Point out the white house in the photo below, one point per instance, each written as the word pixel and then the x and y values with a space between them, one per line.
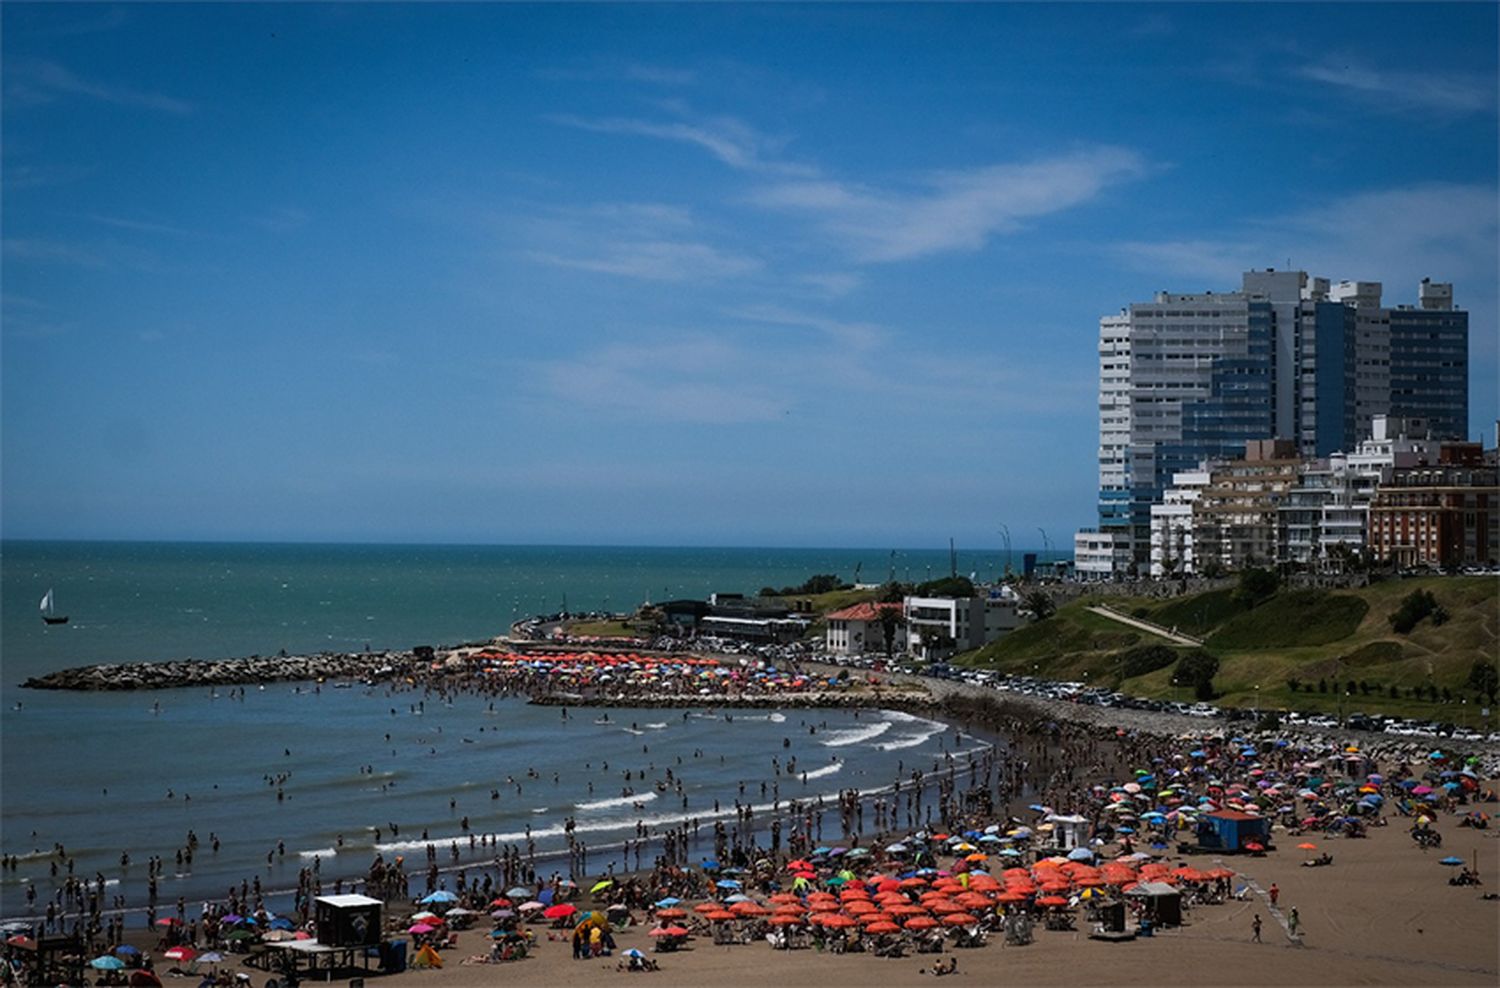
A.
pixel 939 626
pixel 857 629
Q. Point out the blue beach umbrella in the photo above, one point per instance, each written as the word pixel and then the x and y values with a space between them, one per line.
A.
pixel 668 902
pixel 727 883
pixel 108 962
pixel 441 895
pixel 1451 861
pixel 126 950
pixel 519 892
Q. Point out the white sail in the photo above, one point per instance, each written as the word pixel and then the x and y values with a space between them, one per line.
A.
pixel 47 602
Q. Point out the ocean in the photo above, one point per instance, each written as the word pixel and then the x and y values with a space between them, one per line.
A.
pixel 316 770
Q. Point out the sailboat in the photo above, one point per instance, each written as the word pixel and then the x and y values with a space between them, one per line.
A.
pixel 47 610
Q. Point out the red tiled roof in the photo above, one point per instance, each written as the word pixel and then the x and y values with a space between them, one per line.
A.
pixel 867 611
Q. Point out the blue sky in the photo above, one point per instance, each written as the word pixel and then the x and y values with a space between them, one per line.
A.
pixel 721 274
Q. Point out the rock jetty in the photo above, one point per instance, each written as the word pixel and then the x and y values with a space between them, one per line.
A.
pixel 228 672
pixel 824 699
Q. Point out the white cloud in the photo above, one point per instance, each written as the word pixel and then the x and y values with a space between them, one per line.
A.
pixel 857 336
pixel 951 210
pixel 52 251
pixel 650 241
pixel 1442 92
pixel 660 75
pixel 1398 235
pixel 691 379
pixel 281 219
pixel 41 81
pixel 655 260
pixel 729 139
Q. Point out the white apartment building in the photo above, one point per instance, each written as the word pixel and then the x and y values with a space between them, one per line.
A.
pixel 1101 555
pixel 940 626
pixel 1172 524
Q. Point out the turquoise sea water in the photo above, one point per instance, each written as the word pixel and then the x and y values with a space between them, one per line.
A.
pixel 93 771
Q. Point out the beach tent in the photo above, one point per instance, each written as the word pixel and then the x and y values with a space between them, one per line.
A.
pixel 1163 902
pixel 427 957
pixel 1231 830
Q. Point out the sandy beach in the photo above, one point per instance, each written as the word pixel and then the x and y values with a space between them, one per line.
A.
pixel 1383 913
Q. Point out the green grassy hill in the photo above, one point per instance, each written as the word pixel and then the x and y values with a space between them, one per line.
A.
pixel 1301 636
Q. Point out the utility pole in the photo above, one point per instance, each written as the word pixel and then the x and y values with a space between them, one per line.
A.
pixel 1005 534
pixel 952 558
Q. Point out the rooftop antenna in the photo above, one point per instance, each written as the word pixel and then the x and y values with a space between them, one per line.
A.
pixel 1005 534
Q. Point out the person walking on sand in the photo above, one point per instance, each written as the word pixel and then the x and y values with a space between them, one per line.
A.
pixel 1275 893
pixel 1293 921
pixel 1255 926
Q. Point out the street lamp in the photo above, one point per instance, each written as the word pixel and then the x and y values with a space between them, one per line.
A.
pixel 1257 701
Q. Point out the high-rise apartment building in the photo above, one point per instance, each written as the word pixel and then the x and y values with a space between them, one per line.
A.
pixel 1188 378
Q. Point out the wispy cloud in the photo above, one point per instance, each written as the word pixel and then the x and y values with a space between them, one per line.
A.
pixel 858 336
pixel 36 81
pixel 833 283
pixel 1435 91
pixel 51 251
pixel 138 226
pixel 728 139
pixel 660 75
pixel 951 210
pixel 280 219
pixel 649 241
pixel 1441 230
pixel 655 260
pixel 691 378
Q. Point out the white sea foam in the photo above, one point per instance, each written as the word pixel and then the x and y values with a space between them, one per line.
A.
pixel 656 727
pixel 632 730
pixel 826 770
pixel 778 718
pixel 605 804
pixel 855 735
pixel 922 730
pixel 318 852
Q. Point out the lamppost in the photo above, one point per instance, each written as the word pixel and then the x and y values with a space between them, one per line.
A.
pixel 1257 701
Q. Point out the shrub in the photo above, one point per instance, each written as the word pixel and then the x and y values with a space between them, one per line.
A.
pixel 1143 659
pixel 1197 669
pixel 1417 605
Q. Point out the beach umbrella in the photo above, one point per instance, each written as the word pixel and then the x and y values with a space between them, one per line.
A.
pixel 633 952
pixel 601 886
pixel 107 962
pixel 527 907
pixel 1307 846
pixel 181 953
pixel 784 919
pixel 420 928
pixel 1452 861
pixel 960 919
pixel 424 916
pixel 560 911
pixel 884 926
pixel 441 895
pixel 921 923
pixel 519 892
pixel 126 950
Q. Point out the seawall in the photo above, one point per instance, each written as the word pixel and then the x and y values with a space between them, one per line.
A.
pixel 227 672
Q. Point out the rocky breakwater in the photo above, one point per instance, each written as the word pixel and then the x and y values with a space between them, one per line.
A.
pixel 228 672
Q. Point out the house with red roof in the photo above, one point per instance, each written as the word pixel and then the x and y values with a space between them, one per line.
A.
pixel 858 629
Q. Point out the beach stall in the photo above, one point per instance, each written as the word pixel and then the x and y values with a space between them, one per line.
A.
pixel 1231 830
pixel 1163 903
pixel 348 920
pixel 1069 831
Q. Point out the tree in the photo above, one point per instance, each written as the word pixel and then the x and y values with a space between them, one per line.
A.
pixel 890 620
pixel 948 586
pixel 1294 684
pixel 1414 607
pixel 1256 586
pixel 1212 569
pixel 1484 679
pixel 1040 604
pixel 1197 669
